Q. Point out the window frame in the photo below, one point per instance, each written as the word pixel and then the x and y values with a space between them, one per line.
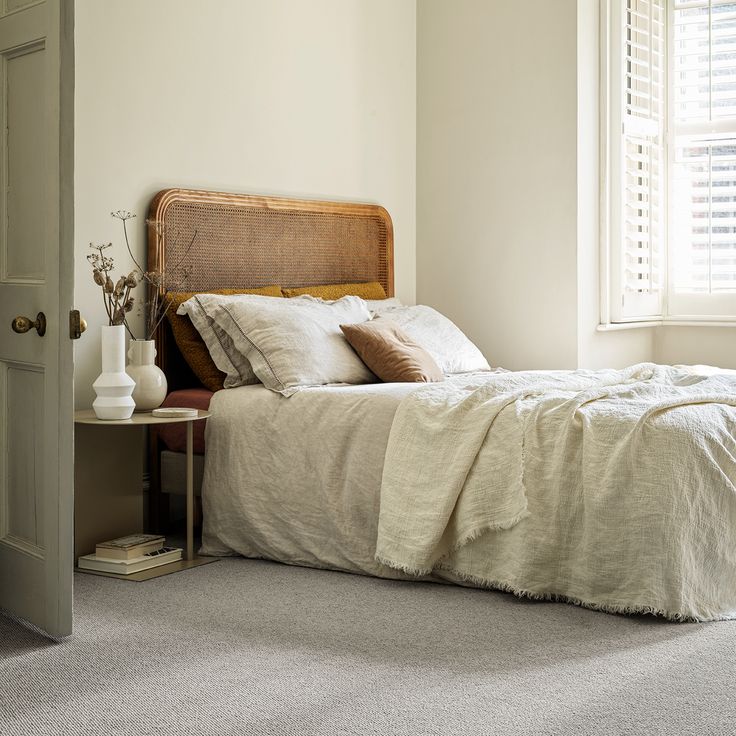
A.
pixel 674 308
pixel 685 306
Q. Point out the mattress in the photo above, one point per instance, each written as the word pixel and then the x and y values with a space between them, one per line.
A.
pixel 298 480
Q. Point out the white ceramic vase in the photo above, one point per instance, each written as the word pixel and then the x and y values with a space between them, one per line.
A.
pixel 150 381
pixel 113 386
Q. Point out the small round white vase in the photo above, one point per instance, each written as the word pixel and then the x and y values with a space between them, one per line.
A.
pixel 150 381
pixel 113 386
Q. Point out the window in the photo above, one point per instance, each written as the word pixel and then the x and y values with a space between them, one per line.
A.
pixel 671 160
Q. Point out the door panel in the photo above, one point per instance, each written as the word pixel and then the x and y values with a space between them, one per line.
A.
pixel 21 485
pixel 11 5
pixel 36 275
pixel 24 82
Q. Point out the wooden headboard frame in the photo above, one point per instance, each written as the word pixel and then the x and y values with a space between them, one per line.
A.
pixel 245 241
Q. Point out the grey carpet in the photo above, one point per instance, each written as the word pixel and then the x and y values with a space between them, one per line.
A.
pixel 249 648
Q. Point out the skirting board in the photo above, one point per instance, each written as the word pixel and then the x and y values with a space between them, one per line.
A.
pixel 153 572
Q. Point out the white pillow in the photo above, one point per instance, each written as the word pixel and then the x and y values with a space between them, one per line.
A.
pixel 440 337
pixel 376 306
pixel 294 343
pixel 197 309
pixel 200 309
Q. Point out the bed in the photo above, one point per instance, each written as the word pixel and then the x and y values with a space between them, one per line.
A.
pixel 249 241
pixel 610 489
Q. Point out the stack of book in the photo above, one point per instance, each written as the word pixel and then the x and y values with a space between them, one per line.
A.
pixel 126 555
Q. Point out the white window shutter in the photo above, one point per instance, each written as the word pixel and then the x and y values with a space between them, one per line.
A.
pixel 637 159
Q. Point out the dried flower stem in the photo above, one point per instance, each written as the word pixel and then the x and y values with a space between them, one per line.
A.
pixel 158 281
pixel 115 297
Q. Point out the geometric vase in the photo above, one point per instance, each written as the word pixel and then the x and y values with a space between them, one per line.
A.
pixel 113 386
pixel 150 380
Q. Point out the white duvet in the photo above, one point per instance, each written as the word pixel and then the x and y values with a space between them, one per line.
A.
pixel 614 489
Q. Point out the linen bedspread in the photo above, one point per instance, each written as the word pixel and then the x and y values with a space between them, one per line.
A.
pixel 612 489
pixel 298 480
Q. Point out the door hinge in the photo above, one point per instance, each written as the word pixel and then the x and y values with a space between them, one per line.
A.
pixel 77 325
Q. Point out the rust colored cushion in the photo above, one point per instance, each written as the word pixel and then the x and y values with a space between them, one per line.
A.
pixel 331 292
pixel 174 436
pixel 189 341
pixel 390 353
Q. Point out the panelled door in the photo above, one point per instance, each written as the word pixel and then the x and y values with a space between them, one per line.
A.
pixel 36 294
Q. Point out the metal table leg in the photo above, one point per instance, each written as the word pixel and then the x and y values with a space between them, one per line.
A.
pixel 190 491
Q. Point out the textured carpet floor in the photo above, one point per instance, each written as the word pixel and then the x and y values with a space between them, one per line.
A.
pixel 249 648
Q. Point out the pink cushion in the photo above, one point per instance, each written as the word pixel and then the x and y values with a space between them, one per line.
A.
pixel 174 436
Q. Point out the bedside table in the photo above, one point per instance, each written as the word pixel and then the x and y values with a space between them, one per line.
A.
pixel 108 472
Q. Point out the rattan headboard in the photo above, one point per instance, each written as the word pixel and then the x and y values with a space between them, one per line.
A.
pixel 246 241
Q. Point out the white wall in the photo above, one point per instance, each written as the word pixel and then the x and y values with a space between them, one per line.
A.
pixel 485 110
pixel 309 99
pixel 696 345
pixel 507 180
pixel 496 175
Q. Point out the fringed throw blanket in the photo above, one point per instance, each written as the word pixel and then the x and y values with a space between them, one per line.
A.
pixel 611 489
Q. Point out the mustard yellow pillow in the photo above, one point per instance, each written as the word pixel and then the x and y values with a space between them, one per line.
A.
pixel 190 343
pixel 330 292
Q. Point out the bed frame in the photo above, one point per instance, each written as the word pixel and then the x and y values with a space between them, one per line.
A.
pixel 246 241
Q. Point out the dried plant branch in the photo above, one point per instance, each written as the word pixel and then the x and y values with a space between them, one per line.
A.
pixel 116 295
pixel 186 252
pixel 102 266
pixel 173 278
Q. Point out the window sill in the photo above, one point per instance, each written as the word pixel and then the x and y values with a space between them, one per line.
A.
pixel 618 326
pixel 705 322
pixel 668 322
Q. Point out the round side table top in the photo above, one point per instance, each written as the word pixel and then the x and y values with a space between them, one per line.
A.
pixel 87 416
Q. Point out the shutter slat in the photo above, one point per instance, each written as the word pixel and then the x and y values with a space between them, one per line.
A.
pixel 642 146
pixel 639 273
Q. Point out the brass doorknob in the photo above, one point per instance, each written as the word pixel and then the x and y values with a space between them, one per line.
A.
pixel 24 324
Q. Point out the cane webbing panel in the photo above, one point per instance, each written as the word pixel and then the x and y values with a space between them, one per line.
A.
pixel 246 241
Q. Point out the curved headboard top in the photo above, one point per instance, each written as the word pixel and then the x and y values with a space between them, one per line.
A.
pixel 246 241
